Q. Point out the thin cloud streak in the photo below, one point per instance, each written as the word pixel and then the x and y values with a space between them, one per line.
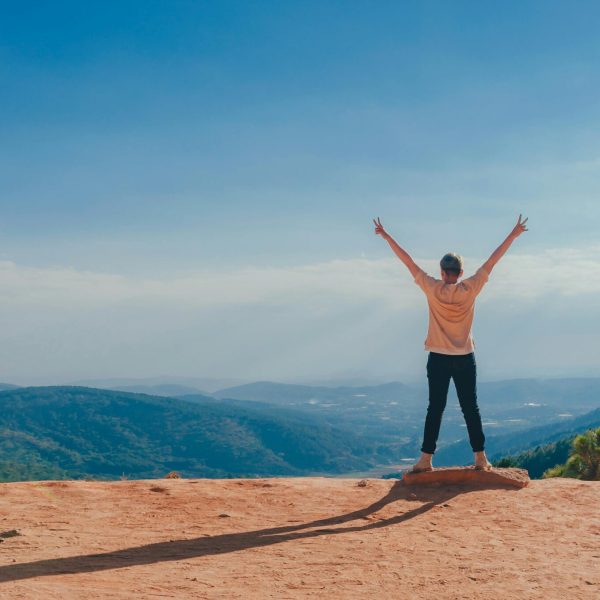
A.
pixel 564 272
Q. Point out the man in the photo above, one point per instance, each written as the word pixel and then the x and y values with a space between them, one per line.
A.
pixel 449 341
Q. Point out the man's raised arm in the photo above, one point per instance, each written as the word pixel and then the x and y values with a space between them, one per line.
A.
pixel 500 251
pixel 399 252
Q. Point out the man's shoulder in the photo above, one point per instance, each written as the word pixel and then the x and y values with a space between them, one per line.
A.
pixel 480 274
pixel 477 280
pixel 423 277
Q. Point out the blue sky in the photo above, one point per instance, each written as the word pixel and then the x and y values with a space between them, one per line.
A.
pixel 151 145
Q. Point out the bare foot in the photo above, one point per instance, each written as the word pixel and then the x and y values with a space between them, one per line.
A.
pixel 423 464
pixel 481 462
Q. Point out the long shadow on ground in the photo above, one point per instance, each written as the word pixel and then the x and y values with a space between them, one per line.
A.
pixel 233 542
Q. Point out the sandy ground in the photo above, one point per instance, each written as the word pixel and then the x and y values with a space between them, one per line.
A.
pixel 299 538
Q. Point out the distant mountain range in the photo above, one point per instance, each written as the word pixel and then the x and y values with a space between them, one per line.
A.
pixel 389 412
pixel 161 386
pixel 395 412
pixel 298 395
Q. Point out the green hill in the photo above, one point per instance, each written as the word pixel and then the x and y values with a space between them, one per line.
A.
pixel 540 458
pixel 575 456
pixel 101 433
pixel 32 471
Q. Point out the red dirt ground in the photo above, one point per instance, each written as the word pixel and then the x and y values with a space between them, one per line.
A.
pixel 299 538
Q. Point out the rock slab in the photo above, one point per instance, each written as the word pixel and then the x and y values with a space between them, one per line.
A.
pixel 510 477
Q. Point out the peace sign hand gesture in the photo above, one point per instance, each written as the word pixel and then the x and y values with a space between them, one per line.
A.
pixel 519 227
pixel 379 230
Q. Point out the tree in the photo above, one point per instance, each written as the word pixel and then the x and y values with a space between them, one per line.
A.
pixel 584 460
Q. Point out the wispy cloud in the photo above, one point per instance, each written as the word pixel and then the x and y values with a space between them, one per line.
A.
pixel 357 315
pixel 562 271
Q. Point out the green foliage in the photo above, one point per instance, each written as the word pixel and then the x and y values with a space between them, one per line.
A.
pixel 557 471
pixel 33 471
pixel 584 460
pixel 539 459
pixel 102 433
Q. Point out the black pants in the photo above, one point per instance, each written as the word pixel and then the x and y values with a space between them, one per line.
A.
pixel 463 370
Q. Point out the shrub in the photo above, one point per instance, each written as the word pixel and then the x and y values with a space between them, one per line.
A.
pixel 584 460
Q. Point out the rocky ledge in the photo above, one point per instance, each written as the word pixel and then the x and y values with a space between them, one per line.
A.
pixel 494 477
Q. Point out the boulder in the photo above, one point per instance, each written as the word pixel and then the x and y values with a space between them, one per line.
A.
pixel 510 477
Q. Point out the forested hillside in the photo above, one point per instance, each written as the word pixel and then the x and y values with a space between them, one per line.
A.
pixel 107 434
pixel 539 459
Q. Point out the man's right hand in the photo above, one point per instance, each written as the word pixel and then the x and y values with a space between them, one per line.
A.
pixel 398 251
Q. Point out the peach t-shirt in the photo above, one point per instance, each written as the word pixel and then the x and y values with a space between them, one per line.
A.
pixel 451 311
